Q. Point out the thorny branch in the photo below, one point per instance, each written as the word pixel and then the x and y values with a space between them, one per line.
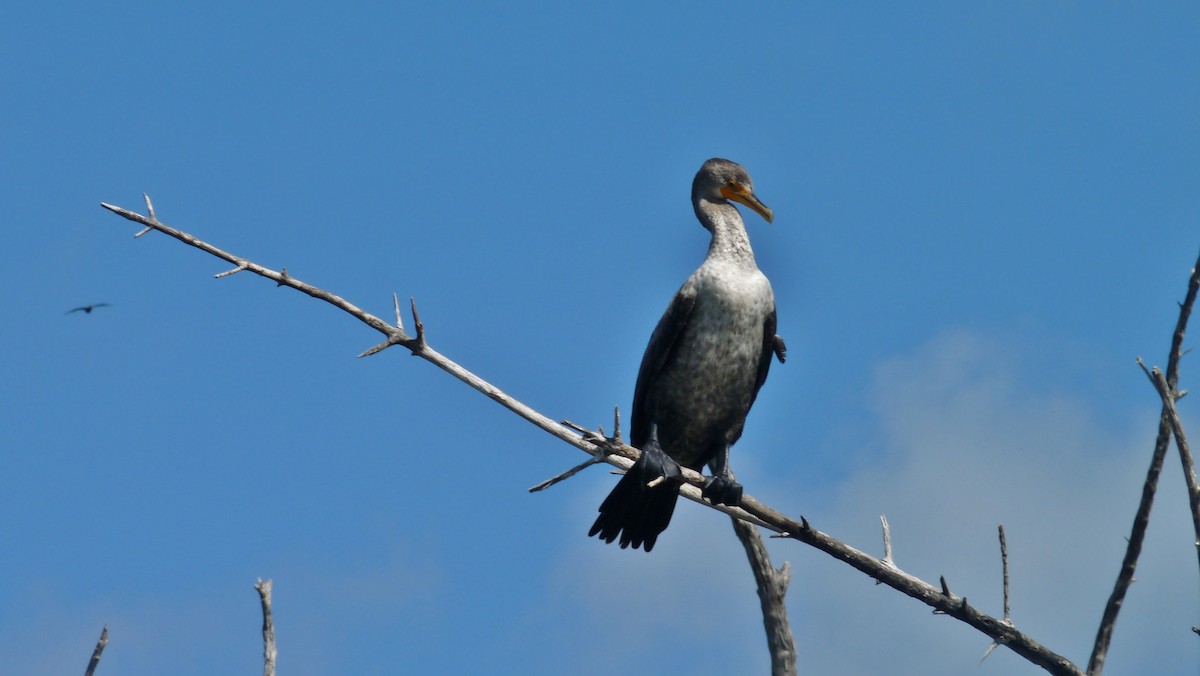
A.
pixel 615 452
pixel 394 334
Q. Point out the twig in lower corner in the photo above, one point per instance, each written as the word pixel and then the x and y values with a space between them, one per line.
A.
pixel 91 668
pixel 268 630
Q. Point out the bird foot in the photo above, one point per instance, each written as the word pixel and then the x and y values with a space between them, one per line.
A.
pixel 723 491
pixel 655 463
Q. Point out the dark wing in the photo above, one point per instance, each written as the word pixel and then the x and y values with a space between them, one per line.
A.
pixel 771 344
pixel 75 310
pixel 658 352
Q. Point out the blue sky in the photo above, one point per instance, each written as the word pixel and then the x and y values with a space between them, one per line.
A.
pixel 984 213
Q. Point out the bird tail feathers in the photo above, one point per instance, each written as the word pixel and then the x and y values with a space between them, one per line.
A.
pixel 634 513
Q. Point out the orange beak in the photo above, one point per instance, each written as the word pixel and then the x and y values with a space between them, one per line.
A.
pixel 743 195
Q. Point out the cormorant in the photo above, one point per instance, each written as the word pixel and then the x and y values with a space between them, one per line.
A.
pixel 702 370
pixel 87 308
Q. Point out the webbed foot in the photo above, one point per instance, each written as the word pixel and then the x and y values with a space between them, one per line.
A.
pixel 721 490
pixel 655 462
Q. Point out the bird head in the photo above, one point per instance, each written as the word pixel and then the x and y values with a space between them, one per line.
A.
pixel 721 180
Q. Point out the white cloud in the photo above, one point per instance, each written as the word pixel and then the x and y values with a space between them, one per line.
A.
pixel 968 441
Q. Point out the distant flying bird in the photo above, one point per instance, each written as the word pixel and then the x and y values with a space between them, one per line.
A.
pixel 87 308
pixel 702 370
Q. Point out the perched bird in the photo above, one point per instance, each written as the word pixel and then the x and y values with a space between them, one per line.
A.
pixel 87 308
pixel 702 370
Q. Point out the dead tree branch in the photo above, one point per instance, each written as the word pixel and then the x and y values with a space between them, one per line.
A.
pixel 1141 519
pixel 621 455
pixel 772 586
pixel 95 661
pixel 268 630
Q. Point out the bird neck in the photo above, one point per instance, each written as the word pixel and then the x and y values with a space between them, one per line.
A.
pixel 729 239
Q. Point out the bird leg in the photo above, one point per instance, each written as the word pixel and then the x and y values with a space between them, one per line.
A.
pixel 655 465
pixel 720 488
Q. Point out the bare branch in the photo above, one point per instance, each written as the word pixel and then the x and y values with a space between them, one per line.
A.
pixel 1004 567
pixel 566 475
pixel 91 667
pixel 772 586
pixel 1007 613
pixel 268 630
pixel 621 455
pixel 1141 519
pixel 601 455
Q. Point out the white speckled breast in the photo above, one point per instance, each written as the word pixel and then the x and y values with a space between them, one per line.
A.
pixel 701 400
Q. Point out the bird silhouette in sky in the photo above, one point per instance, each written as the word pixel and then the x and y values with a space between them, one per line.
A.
pixel 87 308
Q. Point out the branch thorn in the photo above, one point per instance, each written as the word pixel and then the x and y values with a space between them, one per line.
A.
pixel 887 542
pixel 420 327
